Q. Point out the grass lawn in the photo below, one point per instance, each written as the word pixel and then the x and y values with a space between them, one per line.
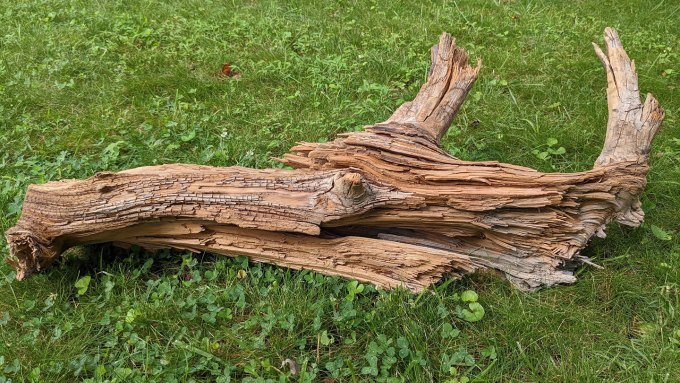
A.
pixel 89 86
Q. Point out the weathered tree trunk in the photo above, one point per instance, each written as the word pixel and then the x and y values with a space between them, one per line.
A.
pixel 385 205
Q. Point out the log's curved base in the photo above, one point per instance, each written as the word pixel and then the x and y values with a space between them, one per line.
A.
pixel 385 205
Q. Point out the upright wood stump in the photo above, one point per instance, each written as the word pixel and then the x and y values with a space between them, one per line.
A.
pixel 386 205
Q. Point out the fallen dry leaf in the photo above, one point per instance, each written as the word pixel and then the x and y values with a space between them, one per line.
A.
pixel 292 365
pixel 227 71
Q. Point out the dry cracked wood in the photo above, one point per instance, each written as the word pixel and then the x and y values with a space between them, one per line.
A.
pixel 385 205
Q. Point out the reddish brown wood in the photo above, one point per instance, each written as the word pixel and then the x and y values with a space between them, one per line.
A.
pixel 385 205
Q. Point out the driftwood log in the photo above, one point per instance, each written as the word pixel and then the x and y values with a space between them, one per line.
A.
pixel 386 205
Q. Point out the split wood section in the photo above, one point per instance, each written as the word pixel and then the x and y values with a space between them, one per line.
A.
pixel 386 205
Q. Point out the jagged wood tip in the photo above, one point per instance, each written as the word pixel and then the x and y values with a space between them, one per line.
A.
pixel 449 80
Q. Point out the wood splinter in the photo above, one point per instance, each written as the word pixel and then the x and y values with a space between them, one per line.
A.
pixel 386 205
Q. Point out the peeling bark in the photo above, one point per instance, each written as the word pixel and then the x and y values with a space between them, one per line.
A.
pixel 386 205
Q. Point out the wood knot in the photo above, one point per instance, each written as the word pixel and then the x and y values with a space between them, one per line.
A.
pixel 350 186
pixel 350 189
